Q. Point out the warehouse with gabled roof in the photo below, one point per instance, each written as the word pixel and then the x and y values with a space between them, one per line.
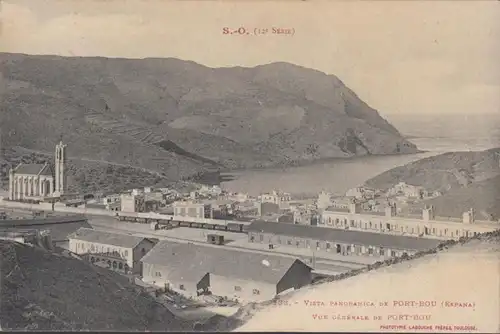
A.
pixel 226 272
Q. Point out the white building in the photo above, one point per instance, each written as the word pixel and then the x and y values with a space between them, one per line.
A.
pixel 361 193
pixel 210 191
pixel 407 190
pixel 280 198
pixel 132 203
pixel 118 252
pixel 324 200
pixel 37 181
pixel 192 209
pixel 388 222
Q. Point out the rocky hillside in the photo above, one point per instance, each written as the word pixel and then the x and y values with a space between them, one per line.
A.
pixel 179 117
pixel 483 196
pixel 443 172
pixel 47 291
pixel 466 179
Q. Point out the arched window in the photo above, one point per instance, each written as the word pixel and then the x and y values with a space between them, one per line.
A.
pixel 120 266
pixel 109 263
pixel 114 265
pixel 92 259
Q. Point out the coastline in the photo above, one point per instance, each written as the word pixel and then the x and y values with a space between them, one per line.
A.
pixel 228 174
pixel 305 163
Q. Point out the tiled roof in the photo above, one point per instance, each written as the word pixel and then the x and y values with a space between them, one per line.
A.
pixel 34 169
pixel 336 209
pixel 95 206
pixel 58 231
pixel 191 262
pixel 344 236
pixel 106 238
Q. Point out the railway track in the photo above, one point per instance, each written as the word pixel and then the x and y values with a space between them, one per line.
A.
pixel 324 263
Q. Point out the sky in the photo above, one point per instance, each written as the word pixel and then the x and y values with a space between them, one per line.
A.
pixel 401 57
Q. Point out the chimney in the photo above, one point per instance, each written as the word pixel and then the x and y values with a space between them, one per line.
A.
pixel 469 217
pixel 354 207
pixel 390 210
pixel 428 213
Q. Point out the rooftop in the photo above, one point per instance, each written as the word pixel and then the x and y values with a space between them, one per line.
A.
pixel 335 209
pixel 219 261
pixel 188 203
pixel 344 236
pixel 411 217
pixel 34 169
pixel 60 227
pixel 106 238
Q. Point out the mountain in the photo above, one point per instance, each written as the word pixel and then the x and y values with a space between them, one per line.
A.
pixel 443 172
pixel 181 118
pixel 49 291
pixel 466 179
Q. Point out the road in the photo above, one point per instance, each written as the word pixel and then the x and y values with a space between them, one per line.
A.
pixel 111 225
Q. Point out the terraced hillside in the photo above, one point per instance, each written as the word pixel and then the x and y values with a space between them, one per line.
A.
pixel 88 175
pixel 443 172
pixel 181 118
pixel 48 291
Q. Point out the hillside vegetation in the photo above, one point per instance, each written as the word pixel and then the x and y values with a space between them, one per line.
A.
pixel 467 180
pixel 48 291
pixel 86 176
pixel 181 118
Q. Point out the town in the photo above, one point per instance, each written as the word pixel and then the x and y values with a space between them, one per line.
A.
pixel 214 246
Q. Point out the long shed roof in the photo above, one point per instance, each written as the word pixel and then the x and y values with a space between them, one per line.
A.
pixel 344 236
pixel 190 261
pixel 106 238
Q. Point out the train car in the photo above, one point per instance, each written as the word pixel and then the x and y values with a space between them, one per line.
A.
pixel 234 227
pixel 245 228
pixel 221 227
pixel 196 225
pixel 184 224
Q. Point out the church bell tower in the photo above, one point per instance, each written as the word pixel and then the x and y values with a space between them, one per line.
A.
pixel 60 173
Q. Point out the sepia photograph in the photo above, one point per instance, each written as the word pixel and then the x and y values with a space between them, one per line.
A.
pixel 250 165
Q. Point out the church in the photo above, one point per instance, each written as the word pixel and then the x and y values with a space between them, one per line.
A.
pixel 38 181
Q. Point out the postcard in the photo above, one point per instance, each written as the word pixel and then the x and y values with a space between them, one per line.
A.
pixel 307 166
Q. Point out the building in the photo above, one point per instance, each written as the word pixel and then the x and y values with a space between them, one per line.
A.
pixel 279 198
pixel 192 209
pixel 238 197
pixel 360 193
pixel 110 198
pixel 324 200
pixel 37 181
pixel 388 222
pixel 224 272
pixel 268 208
pixel 407 190
pixel 60 227
pixel 118 252
pixel 132 203
pixel 342 242
pixel 210 191
pixel 221 208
